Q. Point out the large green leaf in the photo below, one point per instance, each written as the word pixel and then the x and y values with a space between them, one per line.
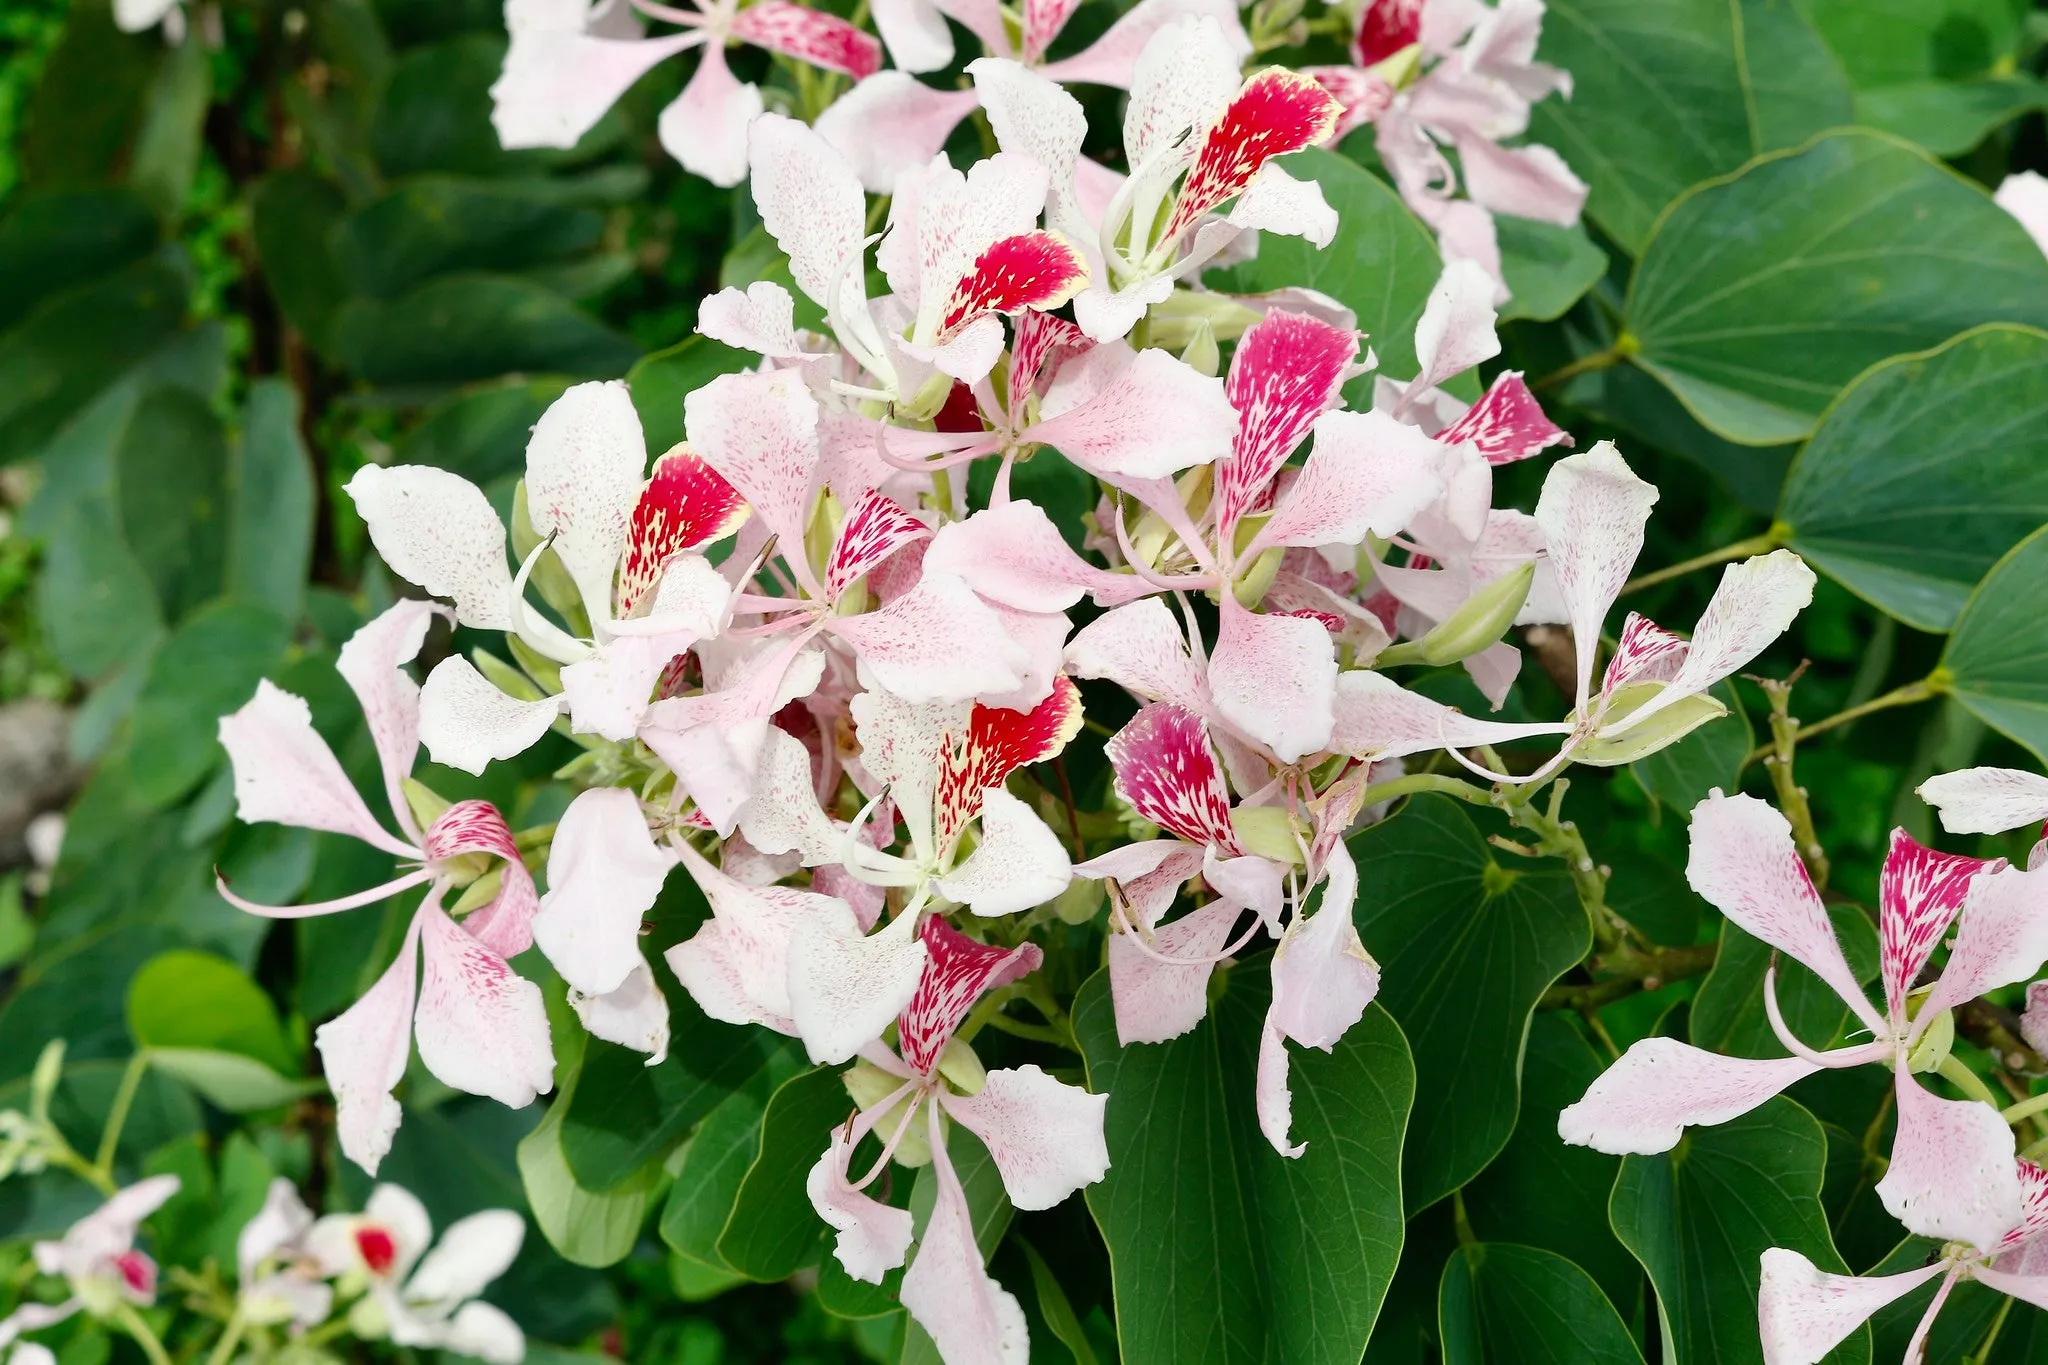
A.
pixel 1759 296
pixel 1996 662
pixel 1548 268
pixel 207 668
pixel 1381 265
pixel 166 155
pixel 715 1162
pixel 1948 118
pixel 660 381
pixel 78 342
pixel 1890 42
pixel 1701 1216
pixel 171 468
pixel 195 1000
pixel 1681 775
pixel 773 1230
pixel 627 1115
pixel 82 120
pixel 1630 399
pixel 1924 471
pixel 481 433
pixel 1503 1304
pixel 437 224
pixel 1465 947
pixel 1543 1192
pixel 52 243
pixel 1221 1249
pixel 462 327
pixel 1728 1013
pixel 1666 93
pixel 292 215
pixel 270 533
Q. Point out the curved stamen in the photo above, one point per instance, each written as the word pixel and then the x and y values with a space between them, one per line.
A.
pixel 417 877
pixel 541 634
pixel 1137 940
pixel 1139 567
pixel 1834 1061
pixel 895 1138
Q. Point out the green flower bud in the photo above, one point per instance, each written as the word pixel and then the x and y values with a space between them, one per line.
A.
pixel 1201 353
pixel 1933 1048
pixel 1266 831
pixel 1478 624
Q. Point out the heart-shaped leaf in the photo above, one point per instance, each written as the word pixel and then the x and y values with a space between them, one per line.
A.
pixel 1996 662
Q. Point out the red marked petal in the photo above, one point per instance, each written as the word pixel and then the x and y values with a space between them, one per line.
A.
pixel 1043 20
pixel 999 741
pixel 1385 28
pixel 958 970
pixel 1507 424
pixel 1167 771
pixel 962 411
pixel 506 924
pixel 1646 652
pixel 809 35
pixel 1918 895
pixel 1364 96
pixel 377 1248
pixel 684 505
pixel 1039 344
pixel 1277 112
pixel 1030 270
pixel 2034 1190
pixel 875 529
pixel 1286 373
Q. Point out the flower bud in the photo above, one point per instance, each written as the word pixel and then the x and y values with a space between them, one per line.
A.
pixel 960 1065
pixel 1933 1048
pixel 1477 625
pixel 1201 353
pixel 1266 831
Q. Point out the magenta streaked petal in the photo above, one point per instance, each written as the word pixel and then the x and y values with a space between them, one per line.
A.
pixel 2026 1239
pixel 1167 771
pixel 957 972
pixel 1919 893
pixel 874 529
pixel 997 743
pixel 1031 270
pixel 1646 652
pixel 2001 939
pixel 1287 372
pixel 1506 424
pixel 686 504
pixel 1043 20
pixel 1385 28
pixel 1276 112
pixel 1039 344
pixel 809 35
pixel 1364 95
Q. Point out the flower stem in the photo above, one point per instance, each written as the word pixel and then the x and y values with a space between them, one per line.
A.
pixel 117 1116
pixel 1983 1352
pixel 132 1323
pixel 1624 347
pixel 2025 1109
pixel 230 1337
pixel 1791 796
pixel 1934 685
pixel 1741 549
pixel 1969 1082
pixel 1413 784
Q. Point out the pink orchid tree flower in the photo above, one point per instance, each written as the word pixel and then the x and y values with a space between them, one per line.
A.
pixel 569 61
pixel 632 549
pixel 961 251
pixel 892 122
pixel 1197 137
pixel 1951 1173
pixel 1804 1312
pixel 1044 1135
pixel 98 1261
pixel 1459 74
pixel 421 1298
pixel 480 1027
pixel 1591 515
pixel 279 1279
pixel 942 767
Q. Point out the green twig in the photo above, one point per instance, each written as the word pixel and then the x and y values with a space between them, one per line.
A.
pixel 1741 549
pixel 117 1117
pixel 132 1323
pixel 1777 757
pixel 1935 684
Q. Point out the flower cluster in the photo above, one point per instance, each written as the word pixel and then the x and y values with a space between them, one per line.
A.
pixel 292 1271
pixel 809 668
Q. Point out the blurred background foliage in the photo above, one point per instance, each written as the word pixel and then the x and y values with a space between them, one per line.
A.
pixel 232 271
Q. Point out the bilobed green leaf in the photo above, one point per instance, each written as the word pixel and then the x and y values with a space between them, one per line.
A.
pixel 627 1115
pixel 207 668
pixel 589 1227
pixel 167 147
pixel 1381 265
pixel 270 531
pixel 1503 1304
pixel 1701 1216
pixel 714 1164
pixel 773 1230
pixel 659 381
pixel 76 343
pixel 1667 93
pixel 1541 1191
pixel 293 213
pixel 1728 1013
pixel 436 224
pixel 57 241
pixel 230 1081
pixel 171 469
pixel 462 327
pixel 1996 662
pixel 1222 1250
pixel 1889 42
pixel 1949 118
pixel 1924 471
pixel 1465 947
pixel 1548 268
pixel 1760 295
pixel 1644 408
pixel 184 999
